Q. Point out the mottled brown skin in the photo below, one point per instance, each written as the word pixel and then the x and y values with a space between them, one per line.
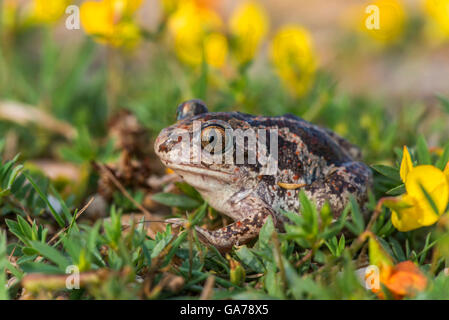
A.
pixel 324 163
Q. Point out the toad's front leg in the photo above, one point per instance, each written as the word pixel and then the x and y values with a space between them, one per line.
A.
pixel 242 231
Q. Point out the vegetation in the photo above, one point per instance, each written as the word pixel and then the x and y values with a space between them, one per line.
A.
pixel 79 117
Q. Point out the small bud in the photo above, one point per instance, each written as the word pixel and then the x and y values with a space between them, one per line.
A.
pixel 326 214
pixel 238 273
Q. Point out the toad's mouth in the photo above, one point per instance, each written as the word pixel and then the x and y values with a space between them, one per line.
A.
pixel 198 170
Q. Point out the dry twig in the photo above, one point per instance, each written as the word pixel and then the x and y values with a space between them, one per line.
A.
pixel 122 189
pixel 208 288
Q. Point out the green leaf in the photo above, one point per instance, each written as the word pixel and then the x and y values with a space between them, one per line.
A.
pixel 13 175
pixel 294 217
pixel 92 243
pixel 444 158
pixel 303 287
pixel 15 229
pixel 6 170
pixel 199 214
pixel 444 102
pixel 397 250
pixel 51 254
pixel 33 267
pixel 73 247
pixel 309 213
pixel 175 246
pixel 266 233
pixel 113 227
pixel 341 244
pixel 387 171
pixel 357 216
pixel 176 200
pixel 249 259
pixel 43 197
pixel 189 191
pixel 337 226
pixel 427 246
pixel 423 151
pixel 160 246
pixel 332 245
pixel 273 284
pixel 25 228
pixel 28 251
pixel 386 229
pixel 4 294
pixel 397 190
pixel 65 210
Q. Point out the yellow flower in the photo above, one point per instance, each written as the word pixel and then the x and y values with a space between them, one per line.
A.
pixel 170 6
pixel 294 58
pixel 196 32
pixel 406 164
pixel 438 12
pixel 391 21
pixel 9 13
pixel 216 48
pixel 248 26
pixel 110 21
pixel 44 11
pixel 413 209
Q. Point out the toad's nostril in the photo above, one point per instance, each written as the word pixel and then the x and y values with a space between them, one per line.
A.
pixel 163 147
pixel 160 144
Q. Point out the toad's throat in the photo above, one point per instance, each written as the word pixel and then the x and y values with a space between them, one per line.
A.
pixel 191 169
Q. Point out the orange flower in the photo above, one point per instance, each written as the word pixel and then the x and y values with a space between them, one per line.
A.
pixel 404 279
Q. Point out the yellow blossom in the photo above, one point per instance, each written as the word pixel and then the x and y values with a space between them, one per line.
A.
pixel 406 164
pixel 438 12
pixel 44 11
pixel 413 210
pixel 170 6
pixel 126 7
pixel 196 32
pixel 391 18
pixel 248 26
pixel 110 21
pixel 9 13
pixel 216 48
pixel 294 58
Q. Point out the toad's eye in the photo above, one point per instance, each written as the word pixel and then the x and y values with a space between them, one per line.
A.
pixel 213 138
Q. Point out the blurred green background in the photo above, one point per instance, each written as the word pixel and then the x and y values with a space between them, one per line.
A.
pixel 377 88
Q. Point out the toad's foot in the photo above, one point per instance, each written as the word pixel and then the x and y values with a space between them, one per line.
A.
pixel 237 233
